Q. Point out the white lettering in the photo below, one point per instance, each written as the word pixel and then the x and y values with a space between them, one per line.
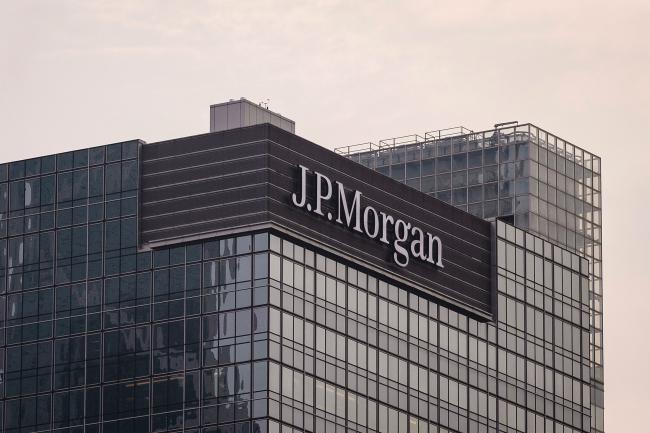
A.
pixel 401 235
pixel 417 246
pixel 349 214
pixel 375 222
pixel 319 192
pixel 356 208
pixel 303 188
pixel 438 251
pixel 385 219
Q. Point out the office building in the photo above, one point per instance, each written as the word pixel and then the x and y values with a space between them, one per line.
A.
pixel 521 174
pixel 249 280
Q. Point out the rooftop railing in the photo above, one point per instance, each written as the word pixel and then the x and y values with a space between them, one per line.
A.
pixel 463 139
pixel 447 132
pixel 357 148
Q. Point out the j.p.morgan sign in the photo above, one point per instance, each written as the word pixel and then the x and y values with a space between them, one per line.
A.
pixel 262 177
pixel 407 240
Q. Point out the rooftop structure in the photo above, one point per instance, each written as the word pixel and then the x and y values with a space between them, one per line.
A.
pixel 520 174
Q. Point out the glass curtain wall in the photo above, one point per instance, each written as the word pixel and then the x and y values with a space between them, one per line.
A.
pixel 98 337
pixel 257 333
pixel 522 175
pixel 350 351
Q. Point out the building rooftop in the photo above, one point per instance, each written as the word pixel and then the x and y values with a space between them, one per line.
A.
pixel 460 139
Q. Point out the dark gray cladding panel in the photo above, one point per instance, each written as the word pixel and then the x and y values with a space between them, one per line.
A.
pixel 243 178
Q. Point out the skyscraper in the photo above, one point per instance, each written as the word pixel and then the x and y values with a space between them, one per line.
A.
pixel 520 174
pixel 248 280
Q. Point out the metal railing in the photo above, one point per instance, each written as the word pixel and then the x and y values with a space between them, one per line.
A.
pixel 481 139
pixel 401 141
pixel 357 148
pixel 446 133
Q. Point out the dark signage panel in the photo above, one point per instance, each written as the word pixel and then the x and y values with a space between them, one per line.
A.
pixel 262 176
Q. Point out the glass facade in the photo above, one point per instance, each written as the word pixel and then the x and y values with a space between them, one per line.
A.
pixel 97 336
pixel 259 332
pixel 520 174
pixel 352 352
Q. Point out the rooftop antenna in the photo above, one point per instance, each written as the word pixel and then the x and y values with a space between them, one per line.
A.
pixel 264 104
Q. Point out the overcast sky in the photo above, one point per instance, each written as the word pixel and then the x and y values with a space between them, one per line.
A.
pixel 75 74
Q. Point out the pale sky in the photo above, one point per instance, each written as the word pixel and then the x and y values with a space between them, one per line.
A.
pixel 75 74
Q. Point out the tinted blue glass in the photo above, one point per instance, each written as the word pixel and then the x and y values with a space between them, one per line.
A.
pixel 190 337
pixel 96 155
pixel 113 152
pixel 48 164
pixel 16 170
pixel 33 167
pixel 80 158
pixel 64 161
pixel 130 150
